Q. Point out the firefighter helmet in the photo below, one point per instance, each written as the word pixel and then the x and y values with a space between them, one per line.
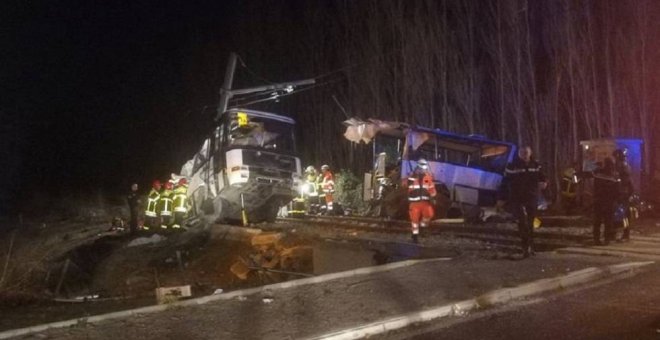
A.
pixel 325 167
pixel 168 185
pixel 423 164
pixel 310 169
pixel 183 181
pixel 156 184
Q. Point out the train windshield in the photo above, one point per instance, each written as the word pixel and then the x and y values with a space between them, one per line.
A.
pixel 257 132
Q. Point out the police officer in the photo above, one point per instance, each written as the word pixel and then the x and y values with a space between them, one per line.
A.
pixel 606 196
pixel 523 178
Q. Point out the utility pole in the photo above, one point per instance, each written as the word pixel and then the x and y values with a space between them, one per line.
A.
pixel 226 92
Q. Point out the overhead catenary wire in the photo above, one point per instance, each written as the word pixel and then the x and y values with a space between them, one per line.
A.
pixel 275 97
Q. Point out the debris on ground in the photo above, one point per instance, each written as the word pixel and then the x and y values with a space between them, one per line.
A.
pixel 140 241
pixel 274 255
pixel 166 295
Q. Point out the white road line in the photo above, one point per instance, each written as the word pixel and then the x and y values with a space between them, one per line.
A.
pixel 486 300
pixel 206 299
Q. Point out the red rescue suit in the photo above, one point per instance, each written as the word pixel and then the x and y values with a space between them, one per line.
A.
pixel 421 190
pixel 328 187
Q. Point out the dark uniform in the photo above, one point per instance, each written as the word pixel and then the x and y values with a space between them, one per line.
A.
pixel 133 200
pixel 606 197
pixel 626 189
pixel 521 187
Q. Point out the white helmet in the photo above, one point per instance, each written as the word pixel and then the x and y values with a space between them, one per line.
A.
pixel 325 167
pixel 423 164
pixel 310 169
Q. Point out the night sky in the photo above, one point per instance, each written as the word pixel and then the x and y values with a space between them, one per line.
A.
pixel 97 94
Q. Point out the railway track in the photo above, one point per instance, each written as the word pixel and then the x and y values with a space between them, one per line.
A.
pixel 502 234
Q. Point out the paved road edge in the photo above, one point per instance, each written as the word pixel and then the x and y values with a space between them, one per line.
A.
pixel 485 300
pixel 210 298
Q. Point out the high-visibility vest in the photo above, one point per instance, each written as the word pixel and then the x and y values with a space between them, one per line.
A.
pixel 312 185
pixel 166 203
pixel 152 203
pixel 180 196
pixel 420 187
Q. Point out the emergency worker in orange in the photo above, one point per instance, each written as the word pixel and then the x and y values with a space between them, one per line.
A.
pixel 328 187
pixel 421 195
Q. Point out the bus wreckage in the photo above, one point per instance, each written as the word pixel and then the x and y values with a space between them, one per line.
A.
pixel 468 170
pixel 247 168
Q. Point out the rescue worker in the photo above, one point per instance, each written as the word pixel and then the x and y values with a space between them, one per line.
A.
pixel 421 197
pixel 569 184
pixel 133 200
pixel 523 178
pixel 165 206
pixel 311 192
pixel 153 201
pixel 606 196
pixel 180 202
pixel 328 187
pixel 626 188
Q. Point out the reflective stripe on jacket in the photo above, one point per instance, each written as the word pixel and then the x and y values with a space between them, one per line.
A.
pixel 152 203
pixel 420 187
pixel 180 196
pixel 165 203
pixel 521 181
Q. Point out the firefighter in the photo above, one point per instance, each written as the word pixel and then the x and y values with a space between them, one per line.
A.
pixel 606 196
pixel 523 178
pixel 626 189
pixel 180 202
pixel 421 197
pixel 165 206
pixel 569 184
pixel 328 187
pixel 153 201
pixel 311 192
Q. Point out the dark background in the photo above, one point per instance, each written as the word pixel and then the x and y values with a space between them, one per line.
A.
pixel 99 94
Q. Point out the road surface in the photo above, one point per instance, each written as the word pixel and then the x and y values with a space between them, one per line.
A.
pixel 623 309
